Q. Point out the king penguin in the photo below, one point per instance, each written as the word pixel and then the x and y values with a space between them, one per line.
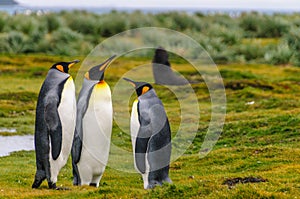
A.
pixel 91 142
pixel 54 124
pixel 150 136
pixel 162 71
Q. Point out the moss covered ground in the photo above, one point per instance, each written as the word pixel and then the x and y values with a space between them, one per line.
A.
pixel 260 138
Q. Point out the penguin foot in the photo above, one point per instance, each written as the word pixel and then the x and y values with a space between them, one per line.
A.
pixel 76 184
pixel 40 176
pixel 36 184
pixel 153 184
pixel 62 188
pixel 52 185
pixel 167 180
pixel 76 178
pixel 76 181
pixel 93 184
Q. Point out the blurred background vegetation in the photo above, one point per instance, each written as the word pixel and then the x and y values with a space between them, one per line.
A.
pixel 244 38
pixel 260 137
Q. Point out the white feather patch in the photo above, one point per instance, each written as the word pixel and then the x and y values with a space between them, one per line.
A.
pixel 67 114
pixel 97 128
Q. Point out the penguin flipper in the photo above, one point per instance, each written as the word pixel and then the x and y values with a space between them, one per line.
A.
pixel 76 154
pixel 82 106
pixel 159 122
pixel 159 146
pixel 140 153
pixel 77 147
pixel 141 143
pixel 52 120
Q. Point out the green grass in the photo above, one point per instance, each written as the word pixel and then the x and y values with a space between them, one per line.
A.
pixel 21 78
pixel 259 140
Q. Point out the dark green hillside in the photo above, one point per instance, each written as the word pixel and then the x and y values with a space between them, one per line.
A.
pixel 247 38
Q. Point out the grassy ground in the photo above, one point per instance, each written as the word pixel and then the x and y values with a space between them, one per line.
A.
pixel 260 139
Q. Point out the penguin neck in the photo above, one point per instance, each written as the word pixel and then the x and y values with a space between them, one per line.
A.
pixel 102 82
pixel 94 81
pixel 54 73
pixel 148 94
pixel 90 81
pixel 88 84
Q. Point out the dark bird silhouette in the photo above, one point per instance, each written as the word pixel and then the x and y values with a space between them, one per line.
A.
pixel 162 71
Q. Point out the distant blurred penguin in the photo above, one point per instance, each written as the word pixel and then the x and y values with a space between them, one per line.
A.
pixel 93 128
pixel 54 124
pixel 162 72
pixel 150 136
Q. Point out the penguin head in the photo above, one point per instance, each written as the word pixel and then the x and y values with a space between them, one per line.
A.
pixel 161 56
pixel 97 72
pixel 140 87
pixel 64 66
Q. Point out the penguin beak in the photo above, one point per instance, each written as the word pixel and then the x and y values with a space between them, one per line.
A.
pixel 106 63
pixel 72 63
pixel 133 83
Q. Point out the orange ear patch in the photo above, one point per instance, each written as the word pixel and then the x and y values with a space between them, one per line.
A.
pixel 60 67
pixel 145 89
pixel 87 75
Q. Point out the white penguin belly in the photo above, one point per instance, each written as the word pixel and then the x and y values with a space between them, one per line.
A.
pixel 97 127
pixel 67 114
pixel 134 127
